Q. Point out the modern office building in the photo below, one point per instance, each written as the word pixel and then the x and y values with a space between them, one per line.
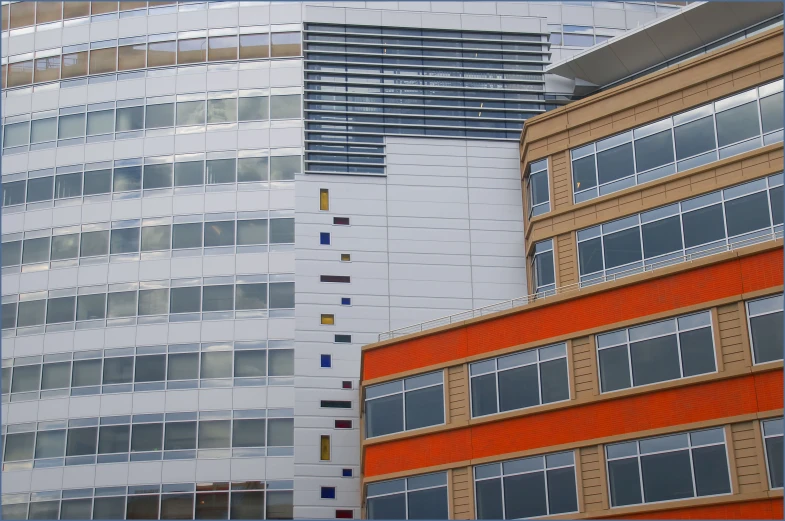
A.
pixel 208 207
pixel 643 375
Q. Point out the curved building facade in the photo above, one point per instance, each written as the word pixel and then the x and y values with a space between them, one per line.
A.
pixel 208 207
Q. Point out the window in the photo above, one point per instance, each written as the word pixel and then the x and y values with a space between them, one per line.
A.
pixel 282 231
pixel 537 188
pixel 527 487
pixel 346 473
pixel 328 492
pixel 324 199
pixel 159 115
pixel 344 514
pixel 283 168
pixel 341 221
pixel 327 319
pixel 346 257
pixel 324 448
pixel 335 278
pixel 285 106
pixel 404 405
pixel 657 352
pixel 543 268
pixel 221 110
pixel 43 130
pixel 189 173
pixel 252 169
pixel 346 384
pixel 737 216
pixel 665 468
pixel 678 143
pixel 520 380
pixel 326 361
pixel 772 440
pixel 218 233
pixel 765 324
pixel 336 404
pixel 343 339
pixel 254 108
pixel 417 497
pixel 286 44
pixel 346 301
pixel 343 424
pixel 324 238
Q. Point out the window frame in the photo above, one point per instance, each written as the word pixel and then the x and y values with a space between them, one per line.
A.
pixel 749 316
pixel 535 168
pixel 677 332
pixel 496 371
pixel 689 448
pixel 670 124
pixel 544 469
pixel 407 490
pixel 766 448
pixel 403 392
pixel 679 208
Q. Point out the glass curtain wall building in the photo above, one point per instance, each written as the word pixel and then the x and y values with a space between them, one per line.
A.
pixel 189 270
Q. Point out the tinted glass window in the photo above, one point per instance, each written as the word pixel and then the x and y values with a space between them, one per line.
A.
pixel 251 169
pixel 653 151
pixel 185 300
pixel 218 298
pixel 767 337
pixel 703 226
pixel 770 111
pixel 40 189
pixel 281 231
pixel 183 366
pixel 738 124
pixel 254 109
pixel 221 171
pixel 35 250
pixel 150 368
pixel 661 237
pixel 160 115
pixel 622 247
pixel 694 138
pixel 97 182
pixel 655 360
pixel 250 296
pixel 187 236
pixel 747 214
pixel 82 442
pixel 147 437
pixel 91 307
pixel 158 176
pixel 189 173
pixel 124 240
pixel 180 435
pixel 68 185
pixel 615 163
pixel 11 253
pixel 590 256
pixel 128 178
pixel 219 233
pixel 156 237
pixel 384 415
pixel 13 193
pixel 424 407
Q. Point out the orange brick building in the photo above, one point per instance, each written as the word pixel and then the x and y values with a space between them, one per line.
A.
pixel 642 378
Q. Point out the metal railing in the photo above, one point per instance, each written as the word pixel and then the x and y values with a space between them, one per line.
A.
pixel 575 287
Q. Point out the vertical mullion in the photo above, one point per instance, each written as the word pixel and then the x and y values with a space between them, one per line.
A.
pixel 678 349
pixel 640 472
pixel 692 468
pixel 545 479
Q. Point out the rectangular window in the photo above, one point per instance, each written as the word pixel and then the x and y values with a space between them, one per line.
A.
pixel 666 468
pixel 765 325
pixel 335 404
pixel 324 238
pixel 346 473
pixel 520 380
pixel 286 44
pixel 335 278
pixel 772 440
pixel 254 108
pixel 252 169
pixel 328 492
pixel 543 270
pixel 346 301
pixel 346 257
pixel 324 448
pixel 417 497
pixel 328 320
pixel 528 487
pixel 734 217
pixel 720 129
pixel 403 405
pixel 676 348
pixel 537 188
pixel 344 514
pixel 343 339
pixel 326 361
pixel 341 221
pixel 285 107
pixel 343 424
pixel 324 199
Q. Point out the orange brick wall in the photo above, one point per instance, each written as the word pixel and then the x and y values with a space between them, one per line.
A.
pixel 732 277
pixel 707 401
